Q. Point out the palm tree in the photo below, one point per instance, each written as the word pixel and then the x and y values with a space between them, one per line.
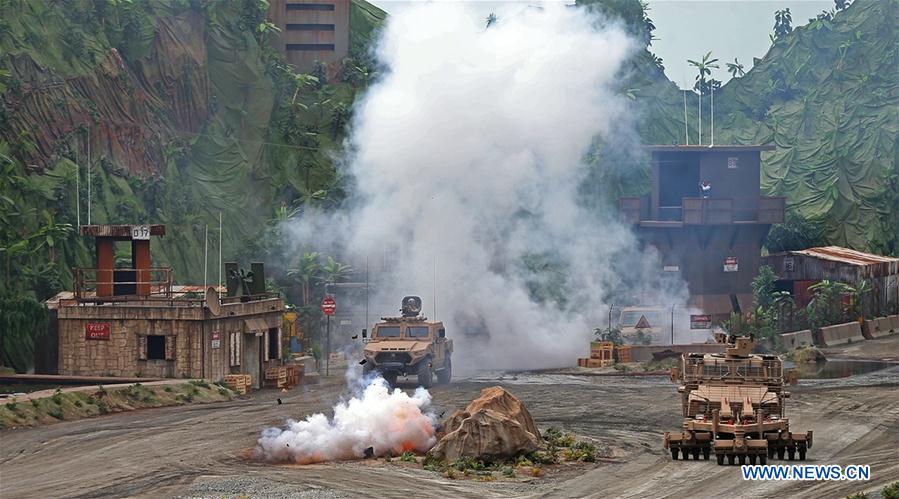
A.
pixel 491 20
pixel 335 271
pixel 735 68
pixel 49 234
pixel 704 67
pixel 308 270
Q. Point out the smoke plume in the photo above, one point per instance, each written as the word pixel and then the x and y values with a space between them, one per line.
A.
pixel 466 161
pixel 387 421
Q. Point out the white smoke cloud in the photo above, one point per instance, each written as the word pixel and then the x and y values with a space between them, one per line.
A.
pixel 467 156
pixel 387 421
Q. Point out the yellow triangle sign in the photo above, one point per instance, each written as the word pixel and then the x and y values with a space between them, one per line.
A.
pixel 643 323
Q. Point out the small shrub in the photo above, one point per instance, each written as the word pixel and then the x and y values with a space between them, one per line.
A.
pixel 78 403
pixel 508 471
pixel 101 389
pixel 102 406
pixel 486 477
pixel 11 406
pixel 543 457
pixel 450 473
pixel 35 402
pixel 199 382
pixel 468 463
pixel 858 495
pixel 536 471
pixel 523 461
pixel 168 389
pixel 57 397
pixel 56 412
pixel 557 438
pixel 891 491
pixel 407 457
pixel 224 391
pixel 431 463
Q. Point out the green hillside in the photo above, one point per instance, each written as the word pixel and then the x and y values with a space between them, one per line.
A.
pixel 184 112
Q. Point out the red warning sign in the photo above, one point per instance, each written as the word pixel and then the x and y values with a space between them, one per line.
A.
pixel 643 323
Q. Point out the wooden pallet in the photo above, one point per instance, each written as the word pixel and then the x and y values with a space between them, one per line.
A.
pixel 239 383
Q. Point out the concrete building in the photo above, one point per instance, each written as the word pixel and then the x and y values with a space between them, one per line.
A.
pixel 798 270
pixel 711 238
pixel 312 30
pixel 134 322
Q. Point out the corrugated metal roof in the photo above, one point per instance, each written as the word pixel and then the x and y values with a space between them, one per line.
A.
pixel 845 255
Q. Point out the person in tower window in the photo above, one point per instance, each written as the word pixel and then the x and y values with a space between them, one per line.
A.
pixel 706 189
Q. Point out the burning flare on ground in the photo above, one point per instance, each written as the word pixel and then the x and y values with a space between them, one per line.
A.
pixel 385 421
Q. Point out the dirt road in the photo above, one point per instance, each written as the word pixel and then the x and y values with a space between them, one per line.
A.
pixel 196 451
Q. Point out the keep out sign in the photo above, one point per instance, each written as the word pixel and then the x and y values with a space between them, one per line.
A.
pixel 96 331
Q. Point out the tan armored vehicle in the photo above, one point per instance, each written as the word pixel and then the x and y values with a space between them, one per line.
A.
pixel 409 345
pixel 733 404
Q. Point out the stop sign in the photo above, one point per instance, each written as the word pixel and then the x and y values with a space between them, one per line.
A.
pixel 328 305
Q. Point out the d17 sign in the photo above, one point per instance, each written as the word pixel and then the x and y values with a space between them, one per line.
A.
pixel 329 306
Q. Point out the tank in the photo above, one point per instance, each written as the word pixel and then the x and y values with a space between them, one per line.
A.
pixel 733 406
pixel 409 345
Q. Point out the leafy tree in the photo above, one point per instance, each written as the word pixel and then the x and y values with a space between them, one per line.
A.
pixel 735 68
pixel 763 287
pixel 841 4
pixel 22 321
pixel 796 233
pixel 340 116
pixel 783 23
pixel 826 308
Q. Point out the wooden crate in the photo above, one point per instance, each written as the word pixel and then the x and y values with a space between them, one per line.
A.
pixel 623 353
pixel 276 377
pixel 294 375
pixel 600 362
pixel 239 383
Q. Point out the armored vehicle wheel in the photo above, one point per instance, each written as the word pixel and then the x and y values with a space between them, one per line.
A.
pixel 742 459
pixel 444 376
pixel 720 459
pixel 367 368
pixel 780 453
pixel 752 458
pixel 696 454
pixel 792 454
pixel 763 460
pixel 801 454
pixel 425 376
pixel 674 453
pixel 705 453
pixel 730 459
pixel 390 378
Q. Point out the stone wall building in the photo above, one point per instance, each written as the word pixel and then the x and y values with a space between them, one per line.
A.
pixel 135 322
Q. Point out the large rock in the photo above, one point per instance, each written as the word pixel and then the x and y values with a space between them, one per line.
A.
pixel 496 425
pixel 503 402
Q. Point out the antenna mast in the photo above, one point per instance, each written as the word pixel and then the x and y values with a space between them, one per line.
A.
pixel 220 250
pixel 205 258
pixel 88 176
pixel 712 143
pixel 435 287
pixel 686 128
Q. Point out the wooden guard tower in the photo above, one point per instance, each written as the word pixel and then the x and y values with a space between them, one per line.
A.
pixel 109 281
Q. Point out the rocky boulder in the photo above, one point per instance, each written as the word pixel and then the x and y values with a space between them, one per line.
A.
pixel 495 425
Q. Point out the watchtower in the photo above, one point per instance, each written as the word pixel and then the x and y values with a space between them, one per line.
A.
pixel 712 237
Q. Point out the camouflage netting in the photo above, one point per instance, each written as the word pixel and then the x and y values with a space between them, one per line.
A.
pixel 174 100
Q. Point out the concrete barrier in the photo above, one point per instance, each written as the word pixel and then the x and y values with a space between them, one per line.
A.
pixel 840 334
pixel 797 339
pixel 894 322
pixel 878 328
pixel 643 353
